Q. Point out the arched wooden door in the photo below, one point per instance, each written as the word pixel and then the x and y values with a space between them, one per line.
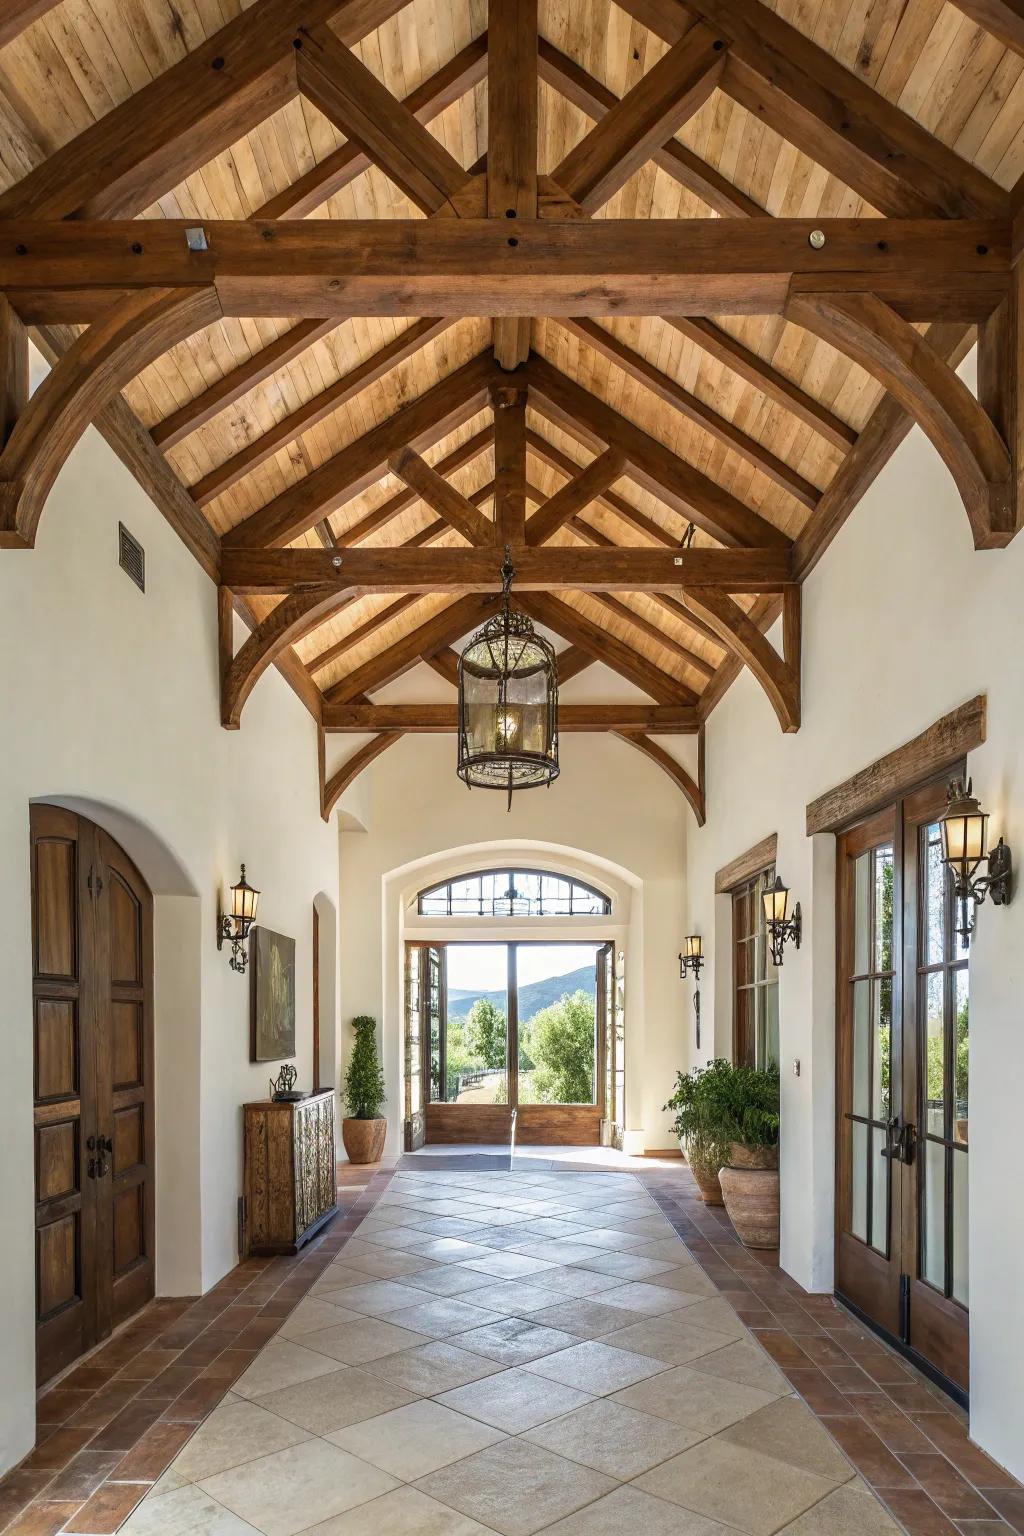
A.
pixel 92 963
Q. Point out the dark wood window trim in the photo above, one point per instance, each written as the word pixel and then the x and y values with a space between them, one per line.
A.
pixel 935 751
pixel 741 869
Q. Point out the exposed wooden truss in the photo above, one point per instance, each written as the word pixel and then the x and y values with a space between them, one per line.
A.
pixel 606 559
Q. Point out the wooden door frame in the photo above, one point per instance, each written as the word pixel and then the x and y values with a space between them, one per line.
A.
pixel 537 1124
pixel 909 808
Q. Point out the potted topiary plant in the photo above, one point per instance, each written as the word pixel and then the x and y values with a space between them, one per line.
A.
pixel 699 1139
pixel 746 1114
pixel 364 1128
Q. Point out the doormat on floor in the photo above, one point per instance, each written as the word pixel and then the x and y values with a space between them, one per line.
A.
pixel 464 1162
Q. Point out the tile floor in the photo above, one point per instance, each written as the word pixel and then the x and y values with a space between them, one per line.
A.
pixel 468 1352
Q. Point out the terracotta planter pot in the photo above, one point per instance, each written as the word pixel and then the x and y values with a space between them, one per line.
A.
pixel 752 1204
pixel 705 1177
pixel 364 1139
pixel 752 1157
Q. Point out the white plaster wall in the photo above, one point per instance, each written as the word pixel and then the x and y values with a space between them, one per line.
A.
pixel 902 621
pixel 609 805
pixel 109 700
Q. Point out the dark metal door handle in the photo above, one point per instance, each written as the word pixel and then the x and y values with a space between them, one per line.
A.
pixel 900 1140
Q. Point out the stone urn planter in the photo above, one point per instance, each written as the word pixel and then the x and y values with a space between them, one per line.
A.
pixel 364 1139
pixel 750 1187
pixel 705 1176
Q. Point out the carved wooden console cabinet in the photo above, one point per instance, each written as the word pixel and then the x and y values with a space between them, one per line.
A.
pixel 290 1172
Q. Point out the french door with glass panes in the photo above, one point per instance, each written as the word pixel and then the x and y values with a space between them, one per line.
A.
pixel 902 1125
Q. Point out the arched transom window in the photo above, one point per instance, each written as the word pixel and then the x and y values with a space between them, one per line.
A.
pixel 516 893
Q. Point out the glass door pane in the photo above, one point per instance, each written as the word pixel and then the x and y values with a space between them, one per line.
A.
pixel 869 984
pixel 474 1026
pixel 557 1019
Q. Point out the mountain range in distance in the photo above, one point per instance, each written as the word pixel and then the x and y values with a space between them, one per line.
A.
pixel 532 997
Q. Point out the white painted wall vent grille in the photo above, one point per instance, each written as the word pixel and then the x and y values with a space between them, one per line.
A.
pixel 132 557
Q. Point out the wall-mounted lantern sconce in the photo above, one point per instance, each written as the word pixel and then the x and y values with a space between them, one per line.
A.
pixel 234 926
pixel 780 928
pixel 692 959
pixel 965 848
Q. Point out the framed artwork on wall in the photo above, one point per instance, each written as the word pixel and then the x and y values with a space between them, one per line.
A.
pixel 273 996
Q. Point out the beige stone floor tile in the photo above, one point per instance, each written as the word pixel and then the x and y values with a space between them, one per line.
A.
pixel 447 1280
pixel 649 1226
pixel 509 1266
pixel 717 1315
pixel 612 1239
pixel 586 1316
pixel 689 1397
pixel 336 1277
pixel 234 1433
pixel 579 1282
pixel 398 1237
pixel 554 1226
pixel 738 1486
pixel 513 1298
pixel 449 1250
pixel 438 1316
pixel 627 1266
pixel 613 1439
pixel 596 1367
pixel 385 1265
pixel 555 1250
pixel 646 1297
pixel 186 1512
pixel 669 1337
pixel 514 1340
pixel 788 1430
pixel 280 1364
pixel 412 1441
pixel 346 1396
pixel 628 1512
pixel 402 1512
pixel 432 1368
pixel 744 1361
pixel 689 1278
pixel 850 1511
pixel 515 1487
pixel 313 1312
pixel 295 1488
pixel 377 1298
pixel 673 1249
pixel 367 1339
pixel 514 1400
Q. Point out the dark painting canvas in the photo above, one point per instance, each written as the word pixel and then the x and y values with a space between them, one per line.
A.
pixel 273 1002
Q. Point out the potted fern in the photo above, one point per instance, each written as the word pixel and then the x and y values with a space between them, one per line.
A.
pixel 745 1114
pixel 364 1128
pixel 699 1140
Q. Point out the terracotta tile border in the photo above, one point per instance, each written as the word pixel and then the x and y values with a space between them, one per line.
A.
pixel 110 1427
pixel 907 1440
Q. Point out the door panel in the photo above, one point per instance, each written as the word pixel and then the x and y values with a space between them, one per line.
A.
pixel 92 968
pixel 902 1092
pixel 868 1199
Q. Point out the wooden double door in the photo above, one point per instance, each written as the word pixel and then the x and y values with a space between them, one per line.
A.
pixel 903 1099
pixel 92 960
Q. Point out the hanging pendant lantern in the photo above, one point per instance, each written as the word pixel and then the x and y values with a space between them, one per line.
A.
pixel 508 702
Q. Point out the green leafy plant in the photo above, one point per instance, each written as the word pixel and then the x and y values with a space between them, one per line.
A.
pixel 364 1080
pixel 485 1033
pixel 720 1104
pixel 560 1043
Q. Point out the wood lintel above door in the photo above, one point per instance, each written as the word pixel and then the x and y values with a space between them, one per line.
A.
pixel 746 865
pixel 934 751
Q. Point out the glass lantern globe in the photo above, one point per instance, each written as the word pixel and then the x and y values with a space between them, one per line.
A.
pixel 508 703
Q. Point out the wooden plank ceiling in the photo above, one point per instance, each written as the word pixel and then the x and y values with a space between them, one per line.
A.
pixel 776 420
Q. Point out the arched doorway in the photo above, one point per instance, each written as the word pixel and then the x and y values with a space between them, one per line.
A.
pixel 513 1015
pixel 92 970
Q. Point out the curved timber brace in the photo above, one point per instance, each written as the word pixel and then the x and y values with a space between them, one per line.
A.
pixel 693 792
pixel 283 625
pixel 332 789
pixel 864 328
pixel 116 347
pixel 779 676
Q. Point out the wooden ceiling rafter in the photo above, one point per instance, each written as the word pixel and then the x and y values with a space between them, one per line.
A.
pixel 691 789
pixel 579 630
pixel 317 408
pixel 332 789
pixel 858 292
